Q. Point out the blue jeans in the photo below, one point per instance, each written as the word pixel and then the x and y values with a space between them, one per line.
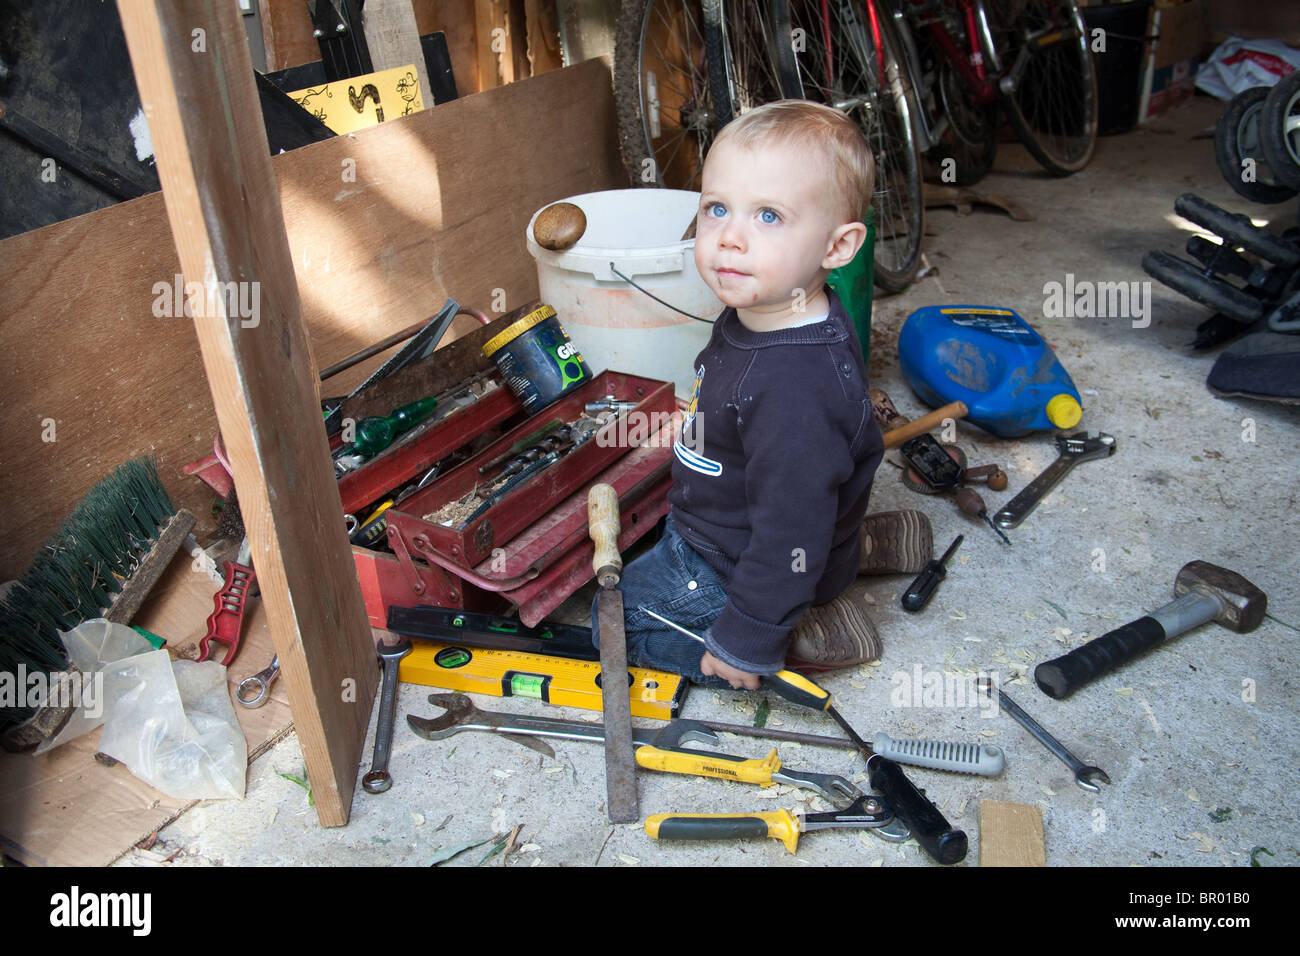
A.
pixel 672 580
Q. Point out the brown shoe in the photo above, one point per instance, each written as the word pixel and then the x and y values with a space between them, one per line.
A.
pixel 838 634
pixel 895 542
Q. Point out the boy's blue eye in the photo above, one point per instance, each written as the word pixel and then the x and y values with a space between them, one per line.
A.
pixel 769 216
pixel 716 210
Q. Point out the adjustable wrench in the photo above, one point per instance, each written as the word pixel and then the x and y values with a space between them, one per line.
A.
pixel 1083 773
pixel 1073 449
pixel 378 780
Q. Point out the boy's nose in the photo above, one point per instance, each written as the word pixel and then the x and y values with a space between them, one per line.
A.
pixel 732 236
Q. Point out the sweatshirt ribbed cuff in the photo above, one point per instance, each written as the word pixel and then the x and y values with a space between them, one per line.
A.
pixel 745 643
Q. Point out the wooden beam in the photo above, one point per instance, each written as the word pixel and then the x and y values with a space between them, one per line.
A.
pixel 394 40
pixel 456 20
pixel 195 78
pixel 287 34
pixel 544 52
pixel 498 40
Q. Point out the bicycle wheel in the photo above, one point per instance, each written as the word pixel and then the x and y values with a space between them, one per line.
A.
pixel 677 82
pixel 666 119
pixel 840 64
pixel 1048 82
pixel 970 139
pixel 760 62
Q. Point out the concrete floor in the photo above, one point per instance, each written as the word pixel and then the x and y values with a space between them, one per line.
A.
pixel 1199 737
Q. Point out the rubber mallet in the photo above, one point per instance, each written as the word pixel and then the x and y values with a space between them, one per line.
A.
pixel 1203 592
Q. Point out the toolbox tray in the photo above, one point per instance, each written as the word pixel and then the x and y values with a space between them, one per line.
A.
pixel 473 543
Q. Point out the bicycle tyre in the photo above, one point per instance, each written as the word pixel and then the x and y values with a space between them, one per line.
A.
pixel 1238 230
pixel 682 70
pixel 1280 142
pixel 758 55
pixel 1049 89
pixel 1236 139
pixel 884 114
pixel 971 139
pixel 1184 277
pixel 662 92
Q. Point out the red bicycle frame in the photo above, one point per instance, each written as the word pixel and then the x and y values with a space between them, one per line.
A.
pixel 969 64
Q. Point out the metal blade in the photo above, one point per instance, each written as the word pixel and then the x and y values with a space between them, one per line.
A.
pixel 620 762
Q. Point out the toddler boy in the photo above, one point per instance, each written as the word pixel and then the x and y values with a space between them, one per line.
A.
pixel 779 447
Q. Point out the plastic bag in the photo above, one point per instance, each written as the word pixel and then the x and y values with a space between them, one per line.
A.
pixel 91 645
pixel 173 725
pixel 1239 64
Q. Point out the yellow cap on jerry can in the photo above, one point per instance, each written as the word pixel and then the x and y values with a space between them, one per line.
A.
pixel 1063 411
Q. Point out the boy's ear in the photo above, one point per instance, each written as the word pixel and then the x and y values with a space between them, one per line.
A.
pixel 844 245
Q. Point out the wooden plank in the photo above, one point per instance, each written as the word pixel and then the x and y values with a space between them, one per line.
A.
pixel 489 36
pixel 287 34
pixel 224 207
pixel 502 38
pixel 1011 834
pixel 543 37
pixel 394 39
pixel 383 227
pixel 457 20
pixel 517 40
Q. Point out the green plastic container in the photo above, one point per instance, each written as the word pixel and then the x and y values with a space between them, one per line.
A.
pixel 853 285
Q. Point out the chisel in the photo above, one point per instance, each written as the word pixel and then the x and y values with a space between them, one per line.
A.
pixel 620 764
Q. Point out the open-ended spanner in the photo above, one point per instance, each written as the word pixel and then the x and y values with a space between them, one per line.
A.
pixel 1073 449
pixel 378 780
pixel 1084 774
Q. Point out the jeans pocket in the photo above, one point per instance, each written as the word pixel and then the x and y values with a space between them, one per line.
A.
pixel 697 595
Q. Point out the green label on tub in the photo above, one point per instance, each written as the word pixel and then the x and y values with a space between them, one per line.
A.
pixel 567 358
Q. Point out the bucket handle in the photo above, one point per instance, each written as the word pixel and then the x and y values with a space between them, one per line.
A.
pixel 656 265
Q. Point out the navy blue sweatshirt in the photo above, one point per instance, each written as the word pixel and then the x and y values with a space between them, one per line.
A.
pixel 771 476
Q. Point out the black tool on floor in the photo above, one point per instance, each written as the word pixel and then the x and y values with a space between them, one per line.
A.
pixel 918 593
pixel 934 467
pixel 453 626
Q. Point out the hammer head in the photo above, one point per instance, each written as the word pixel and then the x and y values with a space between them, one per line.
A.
pixel 1242 605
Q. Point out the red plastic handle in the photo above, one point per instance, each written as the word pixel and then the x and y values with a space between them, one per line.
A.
pixel 227 619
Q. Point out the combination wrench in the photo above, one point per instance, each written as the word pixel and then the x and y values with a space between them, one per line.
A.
pixel 1073 449
pixel 1084 774
pixel 378 780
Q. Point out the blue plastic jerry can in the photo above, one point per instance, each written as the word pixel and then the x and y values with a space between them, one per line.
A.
pixel 990 359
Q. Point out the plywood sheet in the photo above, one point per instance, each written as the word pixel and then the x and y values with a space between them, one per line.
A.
pixel 384 225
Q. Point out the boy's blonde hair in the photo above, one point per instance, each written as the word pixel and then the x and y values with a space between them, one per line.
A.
pixel 847 157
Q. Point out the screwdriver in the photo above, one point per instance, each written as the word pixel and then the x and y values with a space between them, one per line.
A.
pixel 972 504
pixel 793 687
pixel 919 591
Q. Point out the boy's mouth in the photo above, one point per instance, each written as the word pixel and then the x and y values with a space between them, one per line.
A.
pixel 731 274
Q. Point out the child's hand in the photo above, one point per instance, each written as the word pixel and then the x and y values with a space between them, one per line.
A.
pixel 736 678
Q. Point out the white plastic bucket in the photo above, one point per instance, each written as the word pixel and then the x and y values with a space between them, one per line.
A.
pixel 614 325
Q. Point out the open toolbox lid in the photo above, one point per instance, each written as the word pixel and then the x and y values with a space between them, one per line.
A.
pixel 484 536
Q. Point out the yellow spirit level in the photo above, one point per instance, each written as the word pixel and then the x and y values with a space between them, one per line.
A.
pixel 555 680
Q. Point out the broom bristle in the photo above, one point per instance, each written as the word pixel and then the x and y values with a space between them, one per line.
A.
pixel 80 569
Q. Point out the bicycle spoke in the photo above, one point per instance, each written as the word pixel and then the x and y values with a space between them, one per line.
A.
pixel 1053 104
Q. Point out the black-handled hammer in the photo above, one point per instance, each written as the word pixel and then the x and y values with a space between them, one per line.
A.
pixel 1203 592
